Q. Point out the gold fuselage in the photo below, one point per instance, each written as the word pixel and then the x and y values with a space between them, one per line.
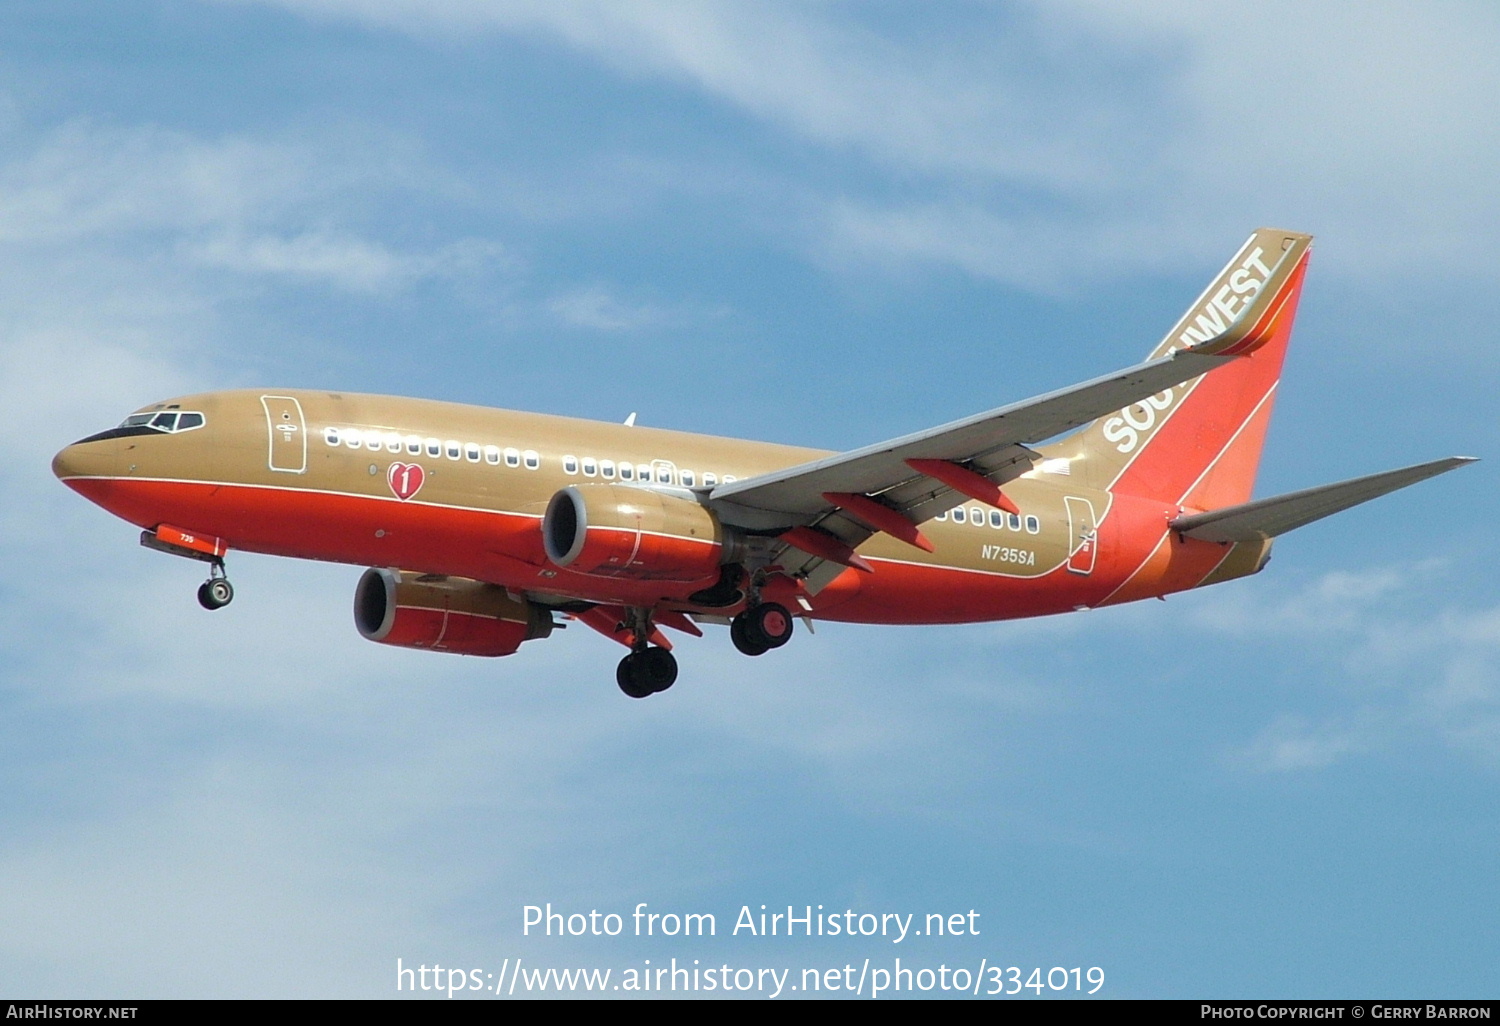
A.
pixel 316 475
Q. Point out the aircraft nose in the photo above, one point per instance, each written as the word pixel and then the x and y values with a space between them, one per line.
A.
pixel 86 459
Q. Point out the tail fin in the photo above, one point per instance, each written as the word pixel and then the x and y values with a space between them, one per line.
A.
pixel 1198 444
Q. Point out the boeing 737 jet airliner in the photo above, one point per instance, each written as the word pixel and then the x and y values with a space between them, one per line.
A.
pixel 484 526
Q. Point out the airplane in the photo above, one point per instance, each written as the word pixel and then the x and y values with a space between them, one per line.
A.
pixel 482 527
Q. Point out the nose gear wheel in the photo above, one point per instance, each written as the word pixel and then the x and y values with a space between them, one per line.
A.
pixel 215 593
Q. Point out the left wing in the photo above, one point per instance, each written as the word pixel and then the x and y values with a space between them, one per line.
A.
pixel 829 506
pixel 815 504
pixel 992 444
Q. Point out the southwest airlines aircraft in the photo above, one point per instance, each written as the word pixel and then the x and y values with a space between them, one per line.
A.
pixel 483 526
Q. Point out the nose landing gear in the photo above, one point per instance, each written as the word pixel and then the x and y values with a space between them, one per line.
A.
pixel 216 592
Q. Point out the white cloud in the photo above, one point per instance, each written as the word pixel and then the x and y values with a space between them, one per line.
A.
pixel 86 180
pixel 257 207
pixel 355 264
pixel 258 801
pixel 596 307
pixel 1029 250
pixel 601 308
pixel 821 76
pixel 1292 743
pixel 1088 137
pixel 1404 670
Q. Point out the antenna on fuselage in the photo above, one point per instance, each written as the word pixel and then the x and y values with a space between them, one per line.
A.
pixel 630 420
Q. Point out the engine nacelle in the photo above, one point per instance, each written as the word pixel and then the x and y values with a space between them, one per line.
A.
pixel 619 531
pixel 444 614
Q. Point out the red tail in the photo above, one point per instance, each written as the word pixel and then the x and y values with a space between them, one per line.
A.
pixel 1198 444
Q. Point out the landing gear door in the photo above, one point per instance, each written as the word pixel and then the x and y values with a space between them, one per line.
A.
pixel 1083 535
pixel 288 433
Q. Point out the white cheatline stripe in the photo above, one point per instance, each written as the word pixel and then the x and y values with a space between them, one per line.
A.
pixel 1232 438
pixel 1228 551
pixel 1281 301
pixel 1132 576
pixel 304 491
pixel 517 513
pixel 1225 448
pixel 1191 386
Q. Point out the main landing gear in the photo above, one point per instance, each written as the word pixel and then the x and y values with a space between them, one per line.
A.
pixel 648 668
pixel 761 628
pixel 216 592
pixel 646 671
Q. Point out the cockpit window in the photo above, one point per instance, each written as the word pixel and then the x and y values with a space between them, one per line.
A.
pixel 164 423
pixel 168 422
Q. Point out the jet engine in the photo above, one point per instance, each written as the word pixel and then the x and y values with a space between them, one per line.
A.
pixel 636 533
pixel 445 614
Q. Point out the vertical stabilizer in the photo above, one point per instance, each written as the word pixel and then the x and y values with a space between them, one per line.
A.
pixel 1198 444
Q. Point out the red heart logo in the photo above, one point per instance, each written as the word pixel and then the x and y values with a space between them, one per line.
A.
pixel 405 479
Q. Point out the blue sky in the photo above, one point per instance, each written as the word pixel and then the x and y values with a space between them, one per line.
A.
pixel 822 224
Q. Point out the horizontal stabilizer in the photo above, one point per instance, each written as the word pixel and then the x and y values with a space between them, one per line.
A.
pixel 1267 518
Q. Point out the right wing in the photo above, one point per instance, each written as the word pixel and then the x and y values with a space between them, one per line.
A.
pixel 1267 518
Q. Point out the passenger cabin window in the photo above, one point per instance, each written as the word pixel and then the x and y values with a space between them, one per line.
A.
pixel 352 438
pixel 1015 521
pixel 627 472
pixel 512 458
pixel 455 449
pixel 607 470
pixel 997 519
pixel 393 442
pixel 570 464
pixel 709 480
pixel 532 459
pixel 492 455
pixel 729 477
pixel 976 516
pixel 1033 525
pixel 471 452
pixel 590 466
pixel 413 445
pixel 434 447
pixel 331 435
pixel 643 472
pixel 687 478
pixel 941 516
pixel 958 515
